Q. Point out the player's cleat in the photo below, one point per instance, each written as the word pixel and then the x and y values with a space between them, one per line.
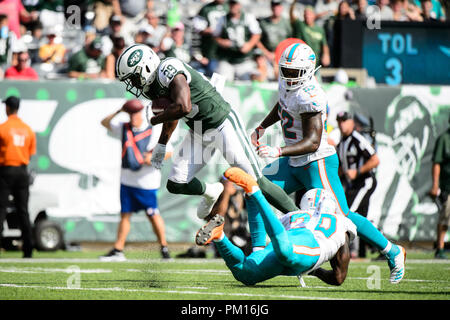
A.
pixel 165 252
pixel 208 201
pixel 397 266
pixel 440 254
pixel 210 231
pixel 114 255
pixel 302 282
pixel 242 179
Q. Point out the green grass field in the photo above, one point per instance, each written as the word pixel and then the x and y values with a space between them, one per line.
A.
pixel 80 276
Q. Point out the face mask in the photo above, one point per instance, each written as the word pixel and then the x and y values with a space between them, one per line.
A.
pixel 4 32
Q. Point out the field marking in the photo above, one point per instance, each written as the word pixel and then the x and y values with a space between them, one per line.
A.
pixel 51 270
pixel 94 260
pixel 213 272
pixel 10 285
pixel 183 261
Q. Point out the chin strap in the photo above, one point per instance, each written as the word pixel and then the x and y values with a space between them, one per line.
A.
pixel 315 70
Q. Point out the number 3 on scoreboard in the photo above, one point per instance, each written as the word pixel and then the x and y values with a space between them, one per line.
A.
pixel 394 66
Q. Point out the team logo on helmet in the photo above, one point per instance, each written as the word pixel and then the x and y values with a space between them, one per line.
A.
pixel 134 58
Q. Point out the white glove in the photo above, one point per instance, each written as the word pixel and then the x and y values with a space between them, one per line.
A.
pixel 158 155
pixel 265 151
pixel 256 135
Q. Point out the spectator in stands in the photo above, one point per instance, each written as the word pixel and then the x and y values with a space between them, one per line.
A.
pixel 158 30
pixel 429 12
pixel 312 34
pixel 398 10
pixel 436 12
pixel 360 9
pixel 16 13
pixel 34 41
pixel 412 11
pixel 345 12
pixel 114 30
pixel 205 23
pixel 52 52
pixel 21 70
pixel 89 34
pixel 175 46
pixel 132 12
pixel 440 190
pixel 274 29
pixel 237 34
pixel 89 62
pixel 7 39
pixel 144 35
pixel 325 9
pixel 51 13
pixel 385 11
pixel 264 69
pixel 104 10
pixel 110 64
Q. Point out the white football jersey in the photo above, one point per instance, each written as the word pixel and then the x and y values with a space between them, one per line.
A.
pixel 293 103
pixel 329 231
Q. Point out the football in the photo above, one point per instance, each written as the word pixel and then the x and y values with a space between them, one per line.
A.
pixel 133 106
pixel 160 104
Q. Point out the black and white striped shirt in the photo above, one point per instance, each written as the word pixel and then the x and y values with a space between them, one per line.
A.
pixel 354 151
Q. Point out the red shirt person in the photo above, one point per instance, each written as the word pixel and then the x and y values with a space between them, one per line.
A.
pixel 21 71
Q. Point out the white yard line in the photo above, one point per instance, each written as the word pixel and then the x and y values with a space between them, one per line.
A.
pixel 218 294
pixel 51 270
pixel 178 261
pixel 93 260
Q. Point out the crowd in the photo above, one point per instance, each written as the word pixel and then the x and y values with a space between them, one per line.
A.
pixel 237 38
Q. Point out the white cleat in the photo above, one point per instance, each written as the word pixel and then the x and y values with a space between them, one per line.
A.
pixel 208 201
pixel 397 266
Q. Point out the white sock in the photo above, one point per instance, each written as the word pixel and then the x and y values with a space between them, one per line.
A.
pixel 209 189
pixel 257 249
pixel 388 248
pixel 254 189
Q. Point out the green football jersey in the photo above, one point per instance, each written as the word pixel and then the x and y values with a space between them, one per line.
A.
pixel 211 13
pixel 208 106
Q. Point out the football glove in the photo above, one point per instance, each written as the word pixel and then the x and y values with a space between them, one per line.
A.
pixel 158 155
pixel 265 151
pixel 256 135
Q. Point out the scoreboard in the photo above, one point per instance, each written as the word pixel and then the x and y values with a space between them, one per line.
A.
pixel 400 55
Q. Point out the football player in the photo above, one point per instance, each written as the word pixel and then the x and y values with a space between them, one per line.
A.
pixel 307 160
pixel 300 242
pixel 213 124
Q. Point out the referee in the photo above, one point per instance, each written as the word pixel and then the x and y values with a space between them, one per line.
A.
pixel 357 159
pixel 17 145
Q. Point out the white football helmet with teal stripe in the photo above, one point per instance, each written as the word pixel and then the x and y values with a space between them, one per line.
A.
pixel 318 199
pixel 137 67
pixel 297 65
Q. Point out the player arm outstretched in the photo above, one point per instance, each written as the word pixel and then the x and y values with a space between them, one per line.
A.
pixel 339 264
